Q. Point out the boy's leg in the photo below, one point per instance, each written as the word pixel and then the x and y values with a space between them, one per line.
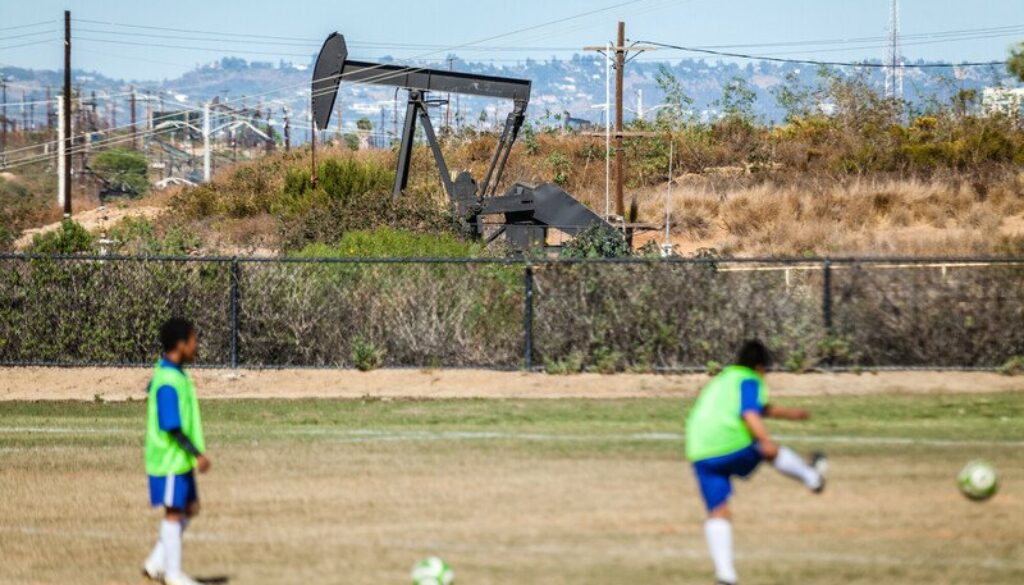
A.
pixel 170 535
pixel 716 487
pixel 788 463
pixel 718 532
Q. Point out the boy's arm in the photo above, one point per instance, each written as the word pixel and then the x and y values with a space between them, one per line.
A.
pixel 772 411
pixel 755 423
pixel 752 413
pixel 170 421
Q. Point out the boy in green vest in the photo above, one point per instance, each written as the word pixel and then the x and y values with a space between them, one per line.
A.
pixel 726 437
pixel 174 448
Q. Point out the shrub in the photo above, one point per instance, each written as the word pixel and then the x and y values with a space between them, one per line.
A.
pixel 1013 366
pixel 69 238
pixel 124 170
pixel 597 241
pixel 366 356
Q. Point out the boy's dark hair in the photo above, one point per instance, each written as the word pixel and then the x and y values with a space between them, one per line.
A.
pixel 753 354
pixel 174 331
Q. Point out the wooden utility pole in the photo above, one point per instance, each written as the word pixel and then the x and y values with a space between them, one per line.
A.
pixel 620 163
pixel 67 113
pixel 621 52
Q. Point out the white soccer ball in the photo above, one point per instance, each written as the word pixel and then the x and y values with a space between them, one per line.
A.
pixel 432 571
pixel 978 480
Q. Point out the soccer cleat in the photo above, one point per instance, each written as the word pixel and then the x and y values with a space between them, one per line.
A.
pixel 724 583
pixel 152 571
pixel 180 579
pixel 820 464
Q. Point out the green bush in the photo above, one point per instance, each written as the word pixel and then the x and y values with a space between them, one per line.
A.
pixel 597 241
pixel 1013 366
pixel 69 238
pixel 366 356
pixel 125 170
pixel 140 236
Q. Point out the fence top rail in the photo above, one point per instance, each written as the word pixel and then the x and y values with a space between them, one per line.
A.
pixel 821 261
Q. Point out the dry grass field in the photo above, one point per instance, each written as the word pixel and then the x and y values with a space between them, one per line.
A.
pixel 552 491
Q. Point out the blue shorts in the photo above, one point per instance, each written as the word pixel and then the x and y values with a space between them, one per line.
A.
pixel 173 491
pixel 713 474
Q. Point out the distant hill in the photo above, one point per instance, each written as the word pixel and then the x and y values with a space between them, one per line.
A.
pixel 575 86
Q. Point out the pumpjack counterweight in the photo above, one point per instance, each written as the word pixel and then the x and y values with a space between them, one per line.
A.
pixel 529 211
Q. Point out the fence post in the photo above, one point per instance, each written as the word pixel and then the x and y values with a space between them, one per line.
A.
pixel 528 317
pixel 826 295
pixel 233 303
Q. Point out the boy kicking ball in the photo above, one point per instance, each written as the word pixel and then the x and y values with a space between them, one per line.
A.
pixel 174 448
pixel 726 437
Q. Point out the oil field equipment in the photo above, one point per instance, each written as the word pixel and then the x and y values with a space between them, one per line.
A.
pixel 527 212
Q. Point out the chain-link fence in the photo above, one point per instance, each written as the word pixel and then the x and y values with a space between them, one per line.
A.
pixel 645 315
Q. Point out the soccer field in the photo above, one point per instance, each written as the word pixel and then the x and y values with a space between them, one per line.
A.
pixel 559 491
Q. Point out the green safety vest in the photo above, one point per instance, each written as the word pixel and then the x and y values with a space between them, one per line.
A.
pixel 163 454
pixel 714 426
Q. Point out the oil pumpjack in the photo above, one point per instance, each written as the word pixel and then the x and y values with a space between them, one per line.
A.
pixel 528 211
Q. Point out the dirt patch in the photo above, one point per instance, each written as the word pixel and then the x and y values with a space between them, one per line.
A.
pixel 130 383
pixel 92 220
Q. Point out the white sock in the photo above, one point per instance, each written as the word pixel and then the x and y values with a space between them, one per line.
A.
pixel 170 537
pixel 789 463
pixel 718 531
pixel 155 560
pixel 156 556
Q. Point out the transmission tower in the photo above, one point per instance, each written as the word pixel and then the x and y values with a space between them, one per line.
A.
pixel 894 61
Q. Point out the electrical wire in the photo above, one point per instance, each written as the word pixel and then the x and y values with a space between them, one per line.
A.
pixel 819 62
pixel 21 26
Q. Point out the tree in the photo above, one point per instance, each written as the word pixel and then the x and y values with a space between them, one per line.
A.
pixel 1016 62
pixel 364 124
pixel 124 170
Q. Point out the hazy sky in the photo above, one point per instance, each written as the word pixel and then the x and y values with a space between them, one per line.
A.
pixel 382 27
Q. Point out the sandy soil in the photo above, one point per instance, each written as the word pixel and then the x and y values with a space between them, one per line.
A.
pixel 125 383
pixel 92 220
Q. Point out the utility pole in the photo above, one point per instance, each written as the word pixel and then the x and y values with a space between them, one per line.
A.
pixel 287 131
pixel 620 158
pixel 62 164
pixel 206 142
pixel 66 110
pixel 24 113
pixel 340 137
pixel 135 129
pixel 49 109
pixel 620 53
pixel 312 153
pixel 894 60
pixel 3 116
pixel 448 101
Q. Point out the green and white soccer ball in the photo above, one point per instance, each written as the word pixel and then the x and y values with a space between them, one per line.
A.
pixel 978 480
pixel 432 571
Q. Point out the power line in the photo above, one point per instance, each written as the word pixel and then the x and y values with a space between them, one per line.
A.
pixel 21 26
pixel 187 48
pixel 31 34
pixel 818 62
pixel 28 44
pixel 195 31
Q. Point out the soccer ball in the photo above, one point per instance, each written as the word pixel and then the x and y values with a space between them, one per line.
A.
pixel 432 571
pixel 978 480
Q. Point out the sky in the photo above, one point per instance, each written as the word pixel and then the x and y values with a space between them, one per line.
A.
pixel 117 43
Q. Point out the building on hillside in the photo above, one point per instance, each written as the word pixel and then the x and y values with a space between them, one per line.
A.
pixel 1008 101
